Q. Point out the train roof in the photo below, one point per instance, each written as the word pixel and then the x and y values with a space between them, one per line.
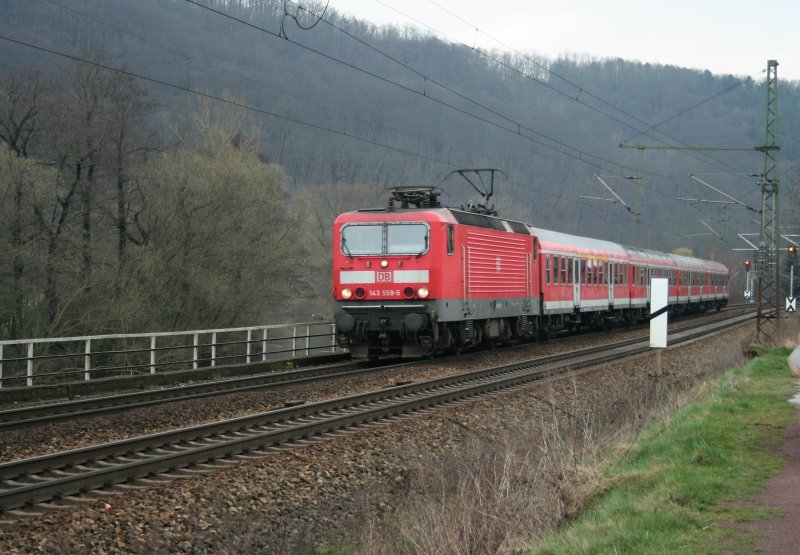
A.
pixel 565 241
pixel 548 239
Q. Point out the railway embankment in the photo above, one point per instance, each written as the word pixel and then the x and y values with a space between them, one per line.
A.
pixel 531 457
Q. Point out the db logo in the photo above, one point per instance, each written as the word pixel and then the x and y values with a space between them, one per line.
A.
pixel 384 277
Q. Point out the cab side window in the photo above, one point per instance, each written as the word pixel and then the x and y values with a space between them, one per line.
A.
pixel 451 240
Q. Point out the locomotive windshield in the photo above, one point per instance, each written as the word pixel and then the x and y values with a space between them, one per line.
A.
pixel 383 239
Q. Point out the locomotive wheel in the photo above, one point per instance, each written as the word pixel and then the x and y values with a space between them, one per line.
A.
pixel 426 343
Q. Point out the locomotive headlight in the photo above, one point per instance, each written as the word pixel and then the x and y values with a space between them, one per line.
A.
pixel 423 292
pixel 347 293
pixel 384 263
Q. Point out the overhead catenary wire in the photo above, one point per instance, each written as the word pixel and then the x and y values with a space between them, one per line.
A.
pixel 557 196
pixel 579 88
pixel 515 128
pixel 713 161
pixel 580 155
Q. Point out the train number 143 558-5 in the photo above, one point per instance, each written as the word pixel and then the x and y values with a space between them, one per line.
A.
pixel 384 292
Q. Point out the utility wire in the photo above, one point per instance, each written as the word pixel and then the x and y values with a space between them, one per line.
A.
pixel 188 89
pixel 258 83
pixel 578 154
pixel 525 186
pixel 517 128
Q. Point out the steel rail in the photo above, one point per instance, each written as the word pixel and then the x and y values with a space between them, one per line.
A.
pixel 54 476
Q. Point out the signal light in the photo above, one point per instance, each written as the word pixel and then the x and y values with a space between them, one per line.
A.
pixel 792 249
pixel 747 264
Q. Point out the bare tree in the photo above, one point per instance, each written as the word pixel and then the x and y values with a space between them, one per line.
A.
pixel 224 246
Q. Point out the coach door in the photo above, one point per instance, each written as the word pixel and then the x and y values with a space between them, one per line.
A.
pixel 611 276
pixel 576 282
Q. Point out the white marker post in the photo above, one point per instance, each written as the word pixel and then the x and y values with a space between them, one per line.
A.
pixel 658 312
pixel 659 298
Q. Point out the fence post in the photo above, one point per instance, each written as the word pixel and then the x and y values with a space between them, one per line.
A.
pixel 152 354
pixel 249 338
pixel 214 349
pixel 294 341
pixel 195 354
pixel 308 339
pixel 1 367
pixel 29 381
pixel 87 360
pixel 264 345
pixel 333 338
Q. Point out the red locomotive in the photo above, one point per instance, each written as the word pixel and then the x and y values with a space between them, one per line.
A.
pixel 417 278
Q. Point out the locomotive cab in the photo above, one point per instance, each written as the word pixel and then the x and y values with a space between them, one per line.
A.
pixel 383 278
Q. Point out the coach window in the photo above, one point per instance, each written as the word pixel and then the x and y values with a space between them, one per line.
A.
pixel 556 268
pixel 563 270
pixel 571 271
pixel 451 240
pixel 547 269
pixel 583 271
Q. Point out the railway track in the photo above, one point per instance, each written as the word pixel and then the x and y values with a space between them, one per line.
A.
pixel 165 455
pixel 17 418
pixel 55 412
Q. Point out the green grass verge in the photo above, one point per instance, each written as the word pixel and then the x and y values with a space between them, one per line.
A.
pixel 685 477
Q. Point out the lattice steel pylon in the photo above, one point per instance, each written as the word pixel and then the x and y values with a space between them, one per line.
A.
pixel 769 296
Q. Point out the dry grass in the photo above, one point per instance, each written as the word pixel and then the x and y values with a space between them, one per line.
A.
pixel 498 496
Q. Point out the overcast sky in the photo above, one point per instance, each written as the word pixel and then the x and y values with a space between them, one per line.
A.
pixel 724 36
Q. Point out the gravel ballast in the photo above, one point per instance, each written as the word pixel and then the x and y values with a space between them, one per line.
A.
pixel 327 489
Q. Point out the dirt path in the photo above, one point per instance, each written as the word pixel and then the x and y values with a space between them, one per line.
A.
pixel 781 534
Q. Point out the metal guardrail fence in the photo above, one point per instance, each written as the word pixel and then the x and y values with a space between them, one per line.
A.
pixel 25 362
